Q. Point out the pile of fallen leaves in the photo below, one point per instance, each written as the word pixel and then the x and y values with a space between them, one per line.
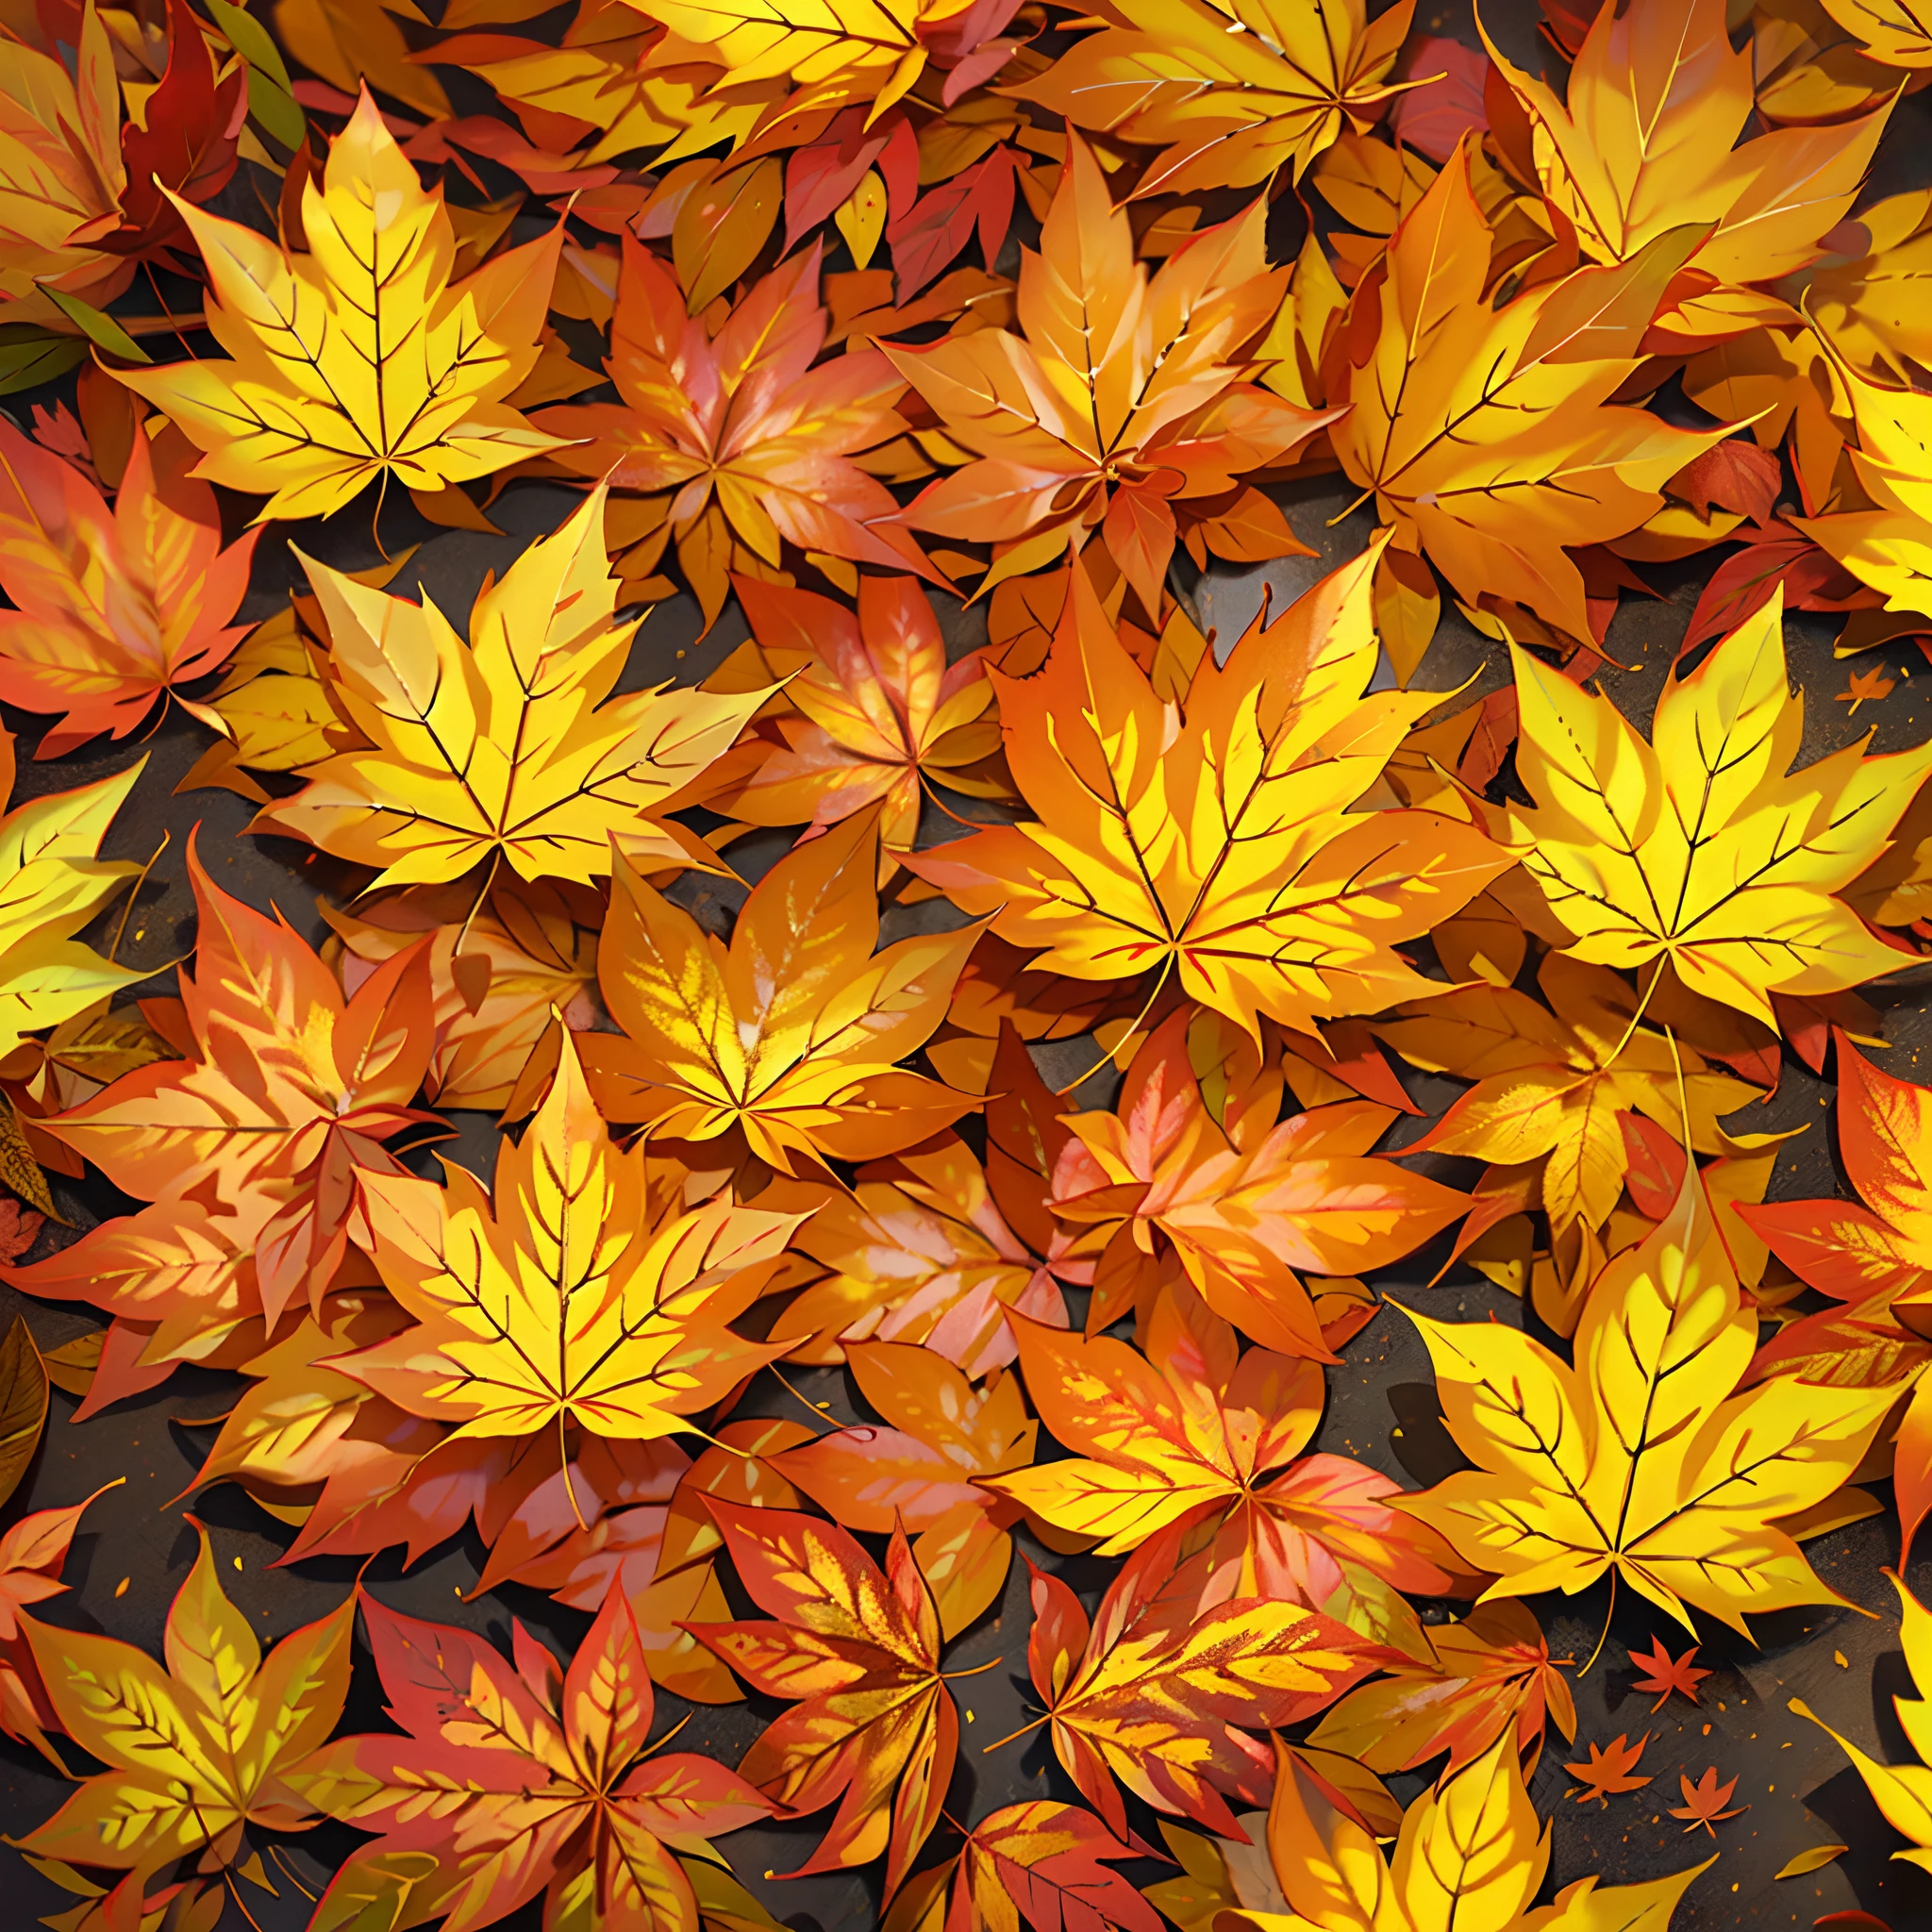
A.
pixel 984 981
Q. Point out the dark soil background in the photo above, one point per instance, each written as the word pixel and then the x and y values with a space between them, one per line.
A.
pixel 135 1547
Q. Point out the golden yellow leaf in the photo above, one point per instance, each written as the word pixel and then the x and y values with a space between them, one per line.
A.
pixel 1703 848
pixel 1641 1460
pixel 509 748
pixel 358 359
pixel 1897 33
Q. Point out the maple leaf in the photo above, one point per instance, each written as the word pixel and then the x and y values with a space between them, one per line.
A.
pixel 1241 1211
pixel 1643 146
pixel 1193 1437
pixel 359 359
pixel 1152 1695
pixel 111 608
pixel 919 1472
pixel 1663 1674
pixel 933 1246
pixel 1486 433
pixel 1037 1863
pixel 1469 1851
pixel 1232 90
pixel 1489 1673
pixel 289 1096
pixel 1903 1793
pixel 728 441
pixel 62 175
pixel 561 1306
pixel 51 885
pixel 1704 1802
pixel 1703 848
pixel 1865 687
pixel 858 1652
pixel 510 749
pixel 1551 1085
pixel 1214 839
pixel 1608 1770
pixel 1126 406
pixel 548 1786
pixel 792 1033
pixel 879 716
pixel 195 1752
pixel 354 43
pixel 1624 1462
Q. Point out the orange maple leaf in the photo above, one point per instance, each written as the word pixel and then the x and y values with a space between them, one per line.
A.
pixel 1663 1673
pixel 1704 1802
pixel 1864 688
pixel 111 608
pixel 877 715
pixel 1127 405
pixel 1242 1210
pixel 249 1152
pixel 792 1035
pixel 1608 1771
pixel 728 441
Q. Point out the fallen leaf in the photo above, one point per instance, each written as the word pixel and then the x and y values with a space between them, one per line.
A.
pixel 1608 1770
pixel 1663 1674
pixel 1864 688
pixel 1704 1802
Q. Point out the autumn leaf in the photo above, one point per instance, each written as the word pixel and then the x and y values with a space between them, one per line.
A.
pixel 793 1032
pixel 32 1553
pixel 1160 1176
pixel 1704 1802
pixel 550 1785
pixel 1036 1863
pixel 877 715
pixel 195 1752
pixel 1865 687
pixel 857 1652
pixel 1551 1084
pixel 359 359
pixel 1674 1481
pixel 1127 405
pixel 1662 1672
pixel 1609 1771
pixel 289 1096
pixel 921 1250
pixel 1904 1793
pixel 111 608
pixel 23 1404
pixel 560 1307
pixel 508 749
pixel 728 441
pixel 1643 145
pixel 1897 33
pixel 920 1470
pixel 51 885
pixel 1470 1851
pixel 1215 839
pixel 1489 1673
pixel 1485 433
pixel 1232 90
pixel 1162 1700
pixel 1194 1436
pixel 1703 848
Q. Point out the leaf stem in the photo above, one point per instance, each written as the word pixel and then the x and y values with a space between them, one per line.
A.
pixel 1609 1613
pixel 1020 1733
pixel 1147 1007
pixel 140 880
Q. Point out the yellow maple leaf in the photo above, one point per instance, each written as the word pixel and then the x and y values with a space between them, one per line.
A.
pixel 359 359
pixel 508 749
pixel 1470 1852
pixel 1703 848
pixel 792 1035
pixel 1643 145
pixel 1643 1459
pixel 1216 838
pixel 1232 90
pixel 563 1305
pixel 1487 434
pixel 1896 33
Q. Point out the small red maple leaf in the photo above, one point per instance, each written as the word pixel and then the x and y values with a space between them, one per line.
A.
pixel 1608 1770
pixel 1667 1674
pixel 1704 1802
